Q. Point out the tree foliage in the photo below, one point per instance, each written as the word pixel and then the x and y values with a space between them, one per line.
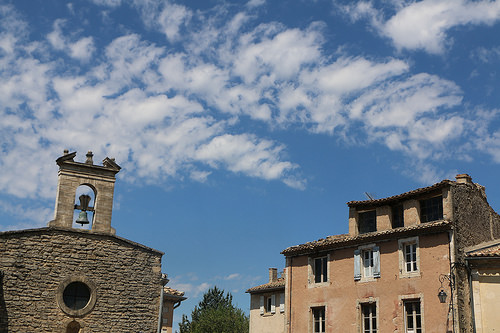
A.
pixel 215 314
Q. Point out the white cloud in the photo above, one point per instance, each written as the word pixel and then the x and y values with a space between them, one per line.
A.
pixel 233 276
pixel 255 3
pixel 176 113
pixel 81 49
pixel 108 3
pixel 425 24
pixel 246 154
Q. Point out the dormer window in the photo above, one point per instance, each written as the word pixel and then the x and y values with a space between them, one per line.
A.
pixel 431 209
pixel 367 221
pixel 397 216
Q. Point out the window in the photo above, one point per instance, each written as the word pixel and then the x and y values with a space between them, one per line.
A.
pixel 431 209
pixel 410 253
pixel 413 317
pixel 76 296
pixel 397 216
pixel 409 261
pixel 369 317
pixel 367 221
pixel 318 318
pixel 320 269
pixel 367 262
pixel 268 304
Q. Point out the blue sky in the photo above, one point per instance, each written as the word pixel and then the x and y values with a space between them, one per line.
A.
pixel 243 127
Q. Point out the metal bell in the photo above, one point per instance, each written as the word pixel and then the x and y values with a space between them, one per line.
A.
pixel 82 218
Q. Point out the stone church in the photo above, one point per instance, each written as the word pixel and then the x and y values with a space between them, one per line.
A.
pixel 61 278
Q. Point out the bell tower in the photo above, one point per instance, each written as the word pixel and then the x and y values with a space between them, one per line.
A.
pixel 101 179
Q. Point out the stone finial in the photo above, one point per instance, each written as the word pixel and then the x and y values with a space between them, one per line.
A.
pixel 273 274
pixel 463 178
pixel 89 158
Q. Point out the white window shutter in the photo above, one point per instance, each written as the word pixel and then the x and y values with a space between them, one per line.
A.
pixel 357 265
pixel 282 302
pixel 261 305
pixel 273 303
pixel 376 261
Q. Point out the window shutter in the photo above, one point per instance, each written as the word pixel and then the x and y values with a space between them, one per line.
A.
pixel 261 305
pixel 357 265
pixel 376 261
pixel 282 302
pixel 273 303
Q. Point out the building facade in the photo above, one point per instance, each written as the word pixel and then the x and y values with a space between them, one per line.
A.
pixel 483 261
pixel 403 266
pixel 171 300
pixel 267 305
pixel 65 279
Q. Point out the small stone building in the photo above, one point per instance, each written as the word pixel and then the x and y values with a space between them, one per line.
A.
pixel 65 279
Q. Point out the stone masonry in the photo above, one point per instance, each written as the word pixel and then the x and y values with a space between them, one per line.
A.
pixel 34 263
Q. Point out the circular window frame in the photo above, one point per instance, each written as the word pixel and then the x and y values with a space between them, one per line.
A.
pixel 87 308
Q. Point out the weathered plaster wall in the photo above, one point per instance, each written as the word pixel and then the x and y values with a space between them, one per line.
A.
pixel 127 278
pixel 268 322
pixel 342 294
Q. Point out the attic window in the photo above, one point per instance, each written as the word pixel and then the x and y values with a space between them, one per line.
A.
pixel 397 216
pixel 367 221
pixel 431 209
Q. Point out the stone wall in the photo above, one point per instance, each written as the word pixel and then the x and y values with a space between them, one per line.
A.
pixel 34 263
pixel 475 222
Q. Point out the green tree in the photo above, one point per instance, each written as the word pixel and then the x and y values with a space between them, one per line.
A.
pixel 215 314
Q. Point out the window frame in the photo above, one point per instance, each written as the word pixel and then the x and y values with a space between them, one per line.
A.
pixel 397 216
pixel 427 207
pixel 414 316
pixel 372 318
pixel 403 257
pixel 363 225
pixel 318 314
pixel 267 304
pixel 363 272
pixel 324 270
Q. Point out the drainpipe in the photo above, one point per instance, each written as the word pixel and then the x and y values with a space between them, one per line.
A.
pixel 164 281
pixel 451 237
pixel 289 277
pixel 471 294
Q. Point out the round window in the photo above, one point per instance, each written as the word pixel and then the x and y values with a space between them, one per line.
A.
pixel 76 295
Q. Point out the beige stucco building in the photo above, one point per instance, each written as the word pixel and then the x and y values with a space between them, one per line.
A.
pixel 171 300
pixel 267 305
pixel 66 279
pixel 483 261
pixel 386 274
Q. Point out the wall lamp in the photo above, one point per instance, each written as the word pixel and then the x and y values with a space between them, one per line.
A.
pixel 442 294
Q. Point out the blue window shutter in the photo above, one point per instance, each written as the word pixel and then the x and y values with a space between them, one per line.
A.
pixel 357 265
pixel 376 261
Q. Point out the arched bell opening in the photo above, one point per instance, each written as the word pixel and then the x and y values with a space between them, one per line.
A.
pixel 83 216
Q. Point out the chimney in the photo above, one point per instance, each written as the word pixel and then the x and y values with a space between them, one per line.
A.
pixel 273 274
pixel 464 178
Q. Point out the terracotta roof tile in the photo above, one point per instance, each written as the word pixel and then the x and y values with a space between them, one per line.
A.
pixel 172 292
pixel 275 285
pixel 492 251
pixel 402 195
pixel 345 239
